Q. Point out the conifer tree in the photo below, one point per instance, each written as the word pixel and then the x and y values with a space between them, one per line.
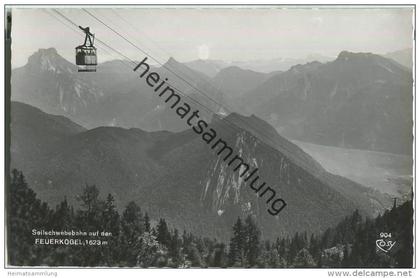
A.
pixel 132 228
pixel 110 216
pixel 219 256
pixel 304 259
pixel 63 216
pixel 90 214
pixel 147 250
pixel 237 245
pixel 163 235
pixel 146 223
pixel 174 247
pixel 252 241
pixel 25 212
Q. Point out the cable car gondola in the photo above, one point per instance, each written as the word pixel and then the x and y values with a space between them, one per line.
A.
pixel 86 59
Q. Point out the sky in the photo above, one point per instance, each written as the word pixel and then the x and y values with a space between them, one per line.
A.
pixel 217 33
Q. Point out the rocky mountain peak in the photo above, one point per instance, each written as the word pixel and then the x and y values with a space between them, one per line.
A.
pixel 171 62
pixel 48 59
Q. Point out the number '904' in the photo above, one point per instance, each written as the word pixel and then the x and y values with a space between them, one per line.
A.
pixel 385 235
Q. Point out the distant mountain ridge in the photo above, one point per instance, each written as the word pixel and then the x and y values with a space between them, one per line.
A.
pixel 212 67
pixel 403 57
pixel 280 64
pixel 208 67
pixel 236 82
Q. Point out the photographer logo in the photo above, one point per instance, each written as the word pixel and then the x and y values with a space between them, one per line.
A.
pixel 385 243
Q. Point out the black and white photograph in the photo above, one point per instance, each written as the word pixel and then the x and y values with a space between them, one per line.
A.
pixel 210 136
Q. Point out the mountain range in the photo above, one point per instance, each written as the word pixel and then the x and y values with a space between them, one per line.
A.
pixel 176 176
pixel 113 96
pixel 107 128
pixel 359 100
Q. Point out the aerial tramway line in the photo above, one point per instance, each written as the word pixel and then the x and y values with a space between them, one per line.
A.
pixel 86 59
